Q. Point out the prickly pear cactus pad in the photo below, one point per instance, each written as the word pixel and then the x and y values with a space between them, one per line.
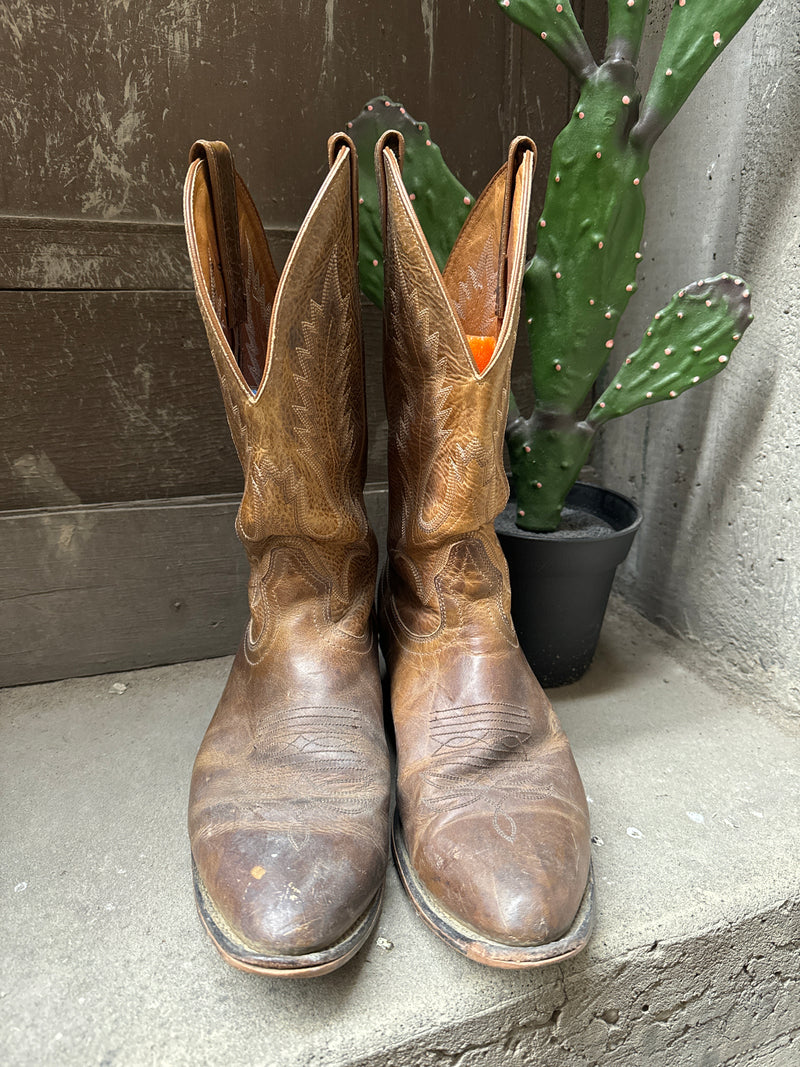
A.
pixel 440 200
pixel 697 32
pixel 688 342
pixel 583 274
pixel 584 271
pixel 561 34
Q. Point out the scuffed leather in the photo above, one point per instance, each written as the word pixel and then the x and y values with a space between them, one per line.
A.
pixel 289 803
pixel 492 806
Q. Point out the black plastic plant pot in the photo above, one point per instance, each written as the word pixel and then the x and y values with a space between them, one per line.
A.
pixel 560 581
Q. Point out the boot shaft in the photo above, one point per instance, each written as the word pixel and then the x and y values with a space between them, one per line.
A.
pixel 289 356
pixel 446 413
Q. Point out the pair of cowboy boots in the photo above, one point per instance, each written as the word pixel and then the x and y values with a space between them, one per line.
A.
pixel 289 816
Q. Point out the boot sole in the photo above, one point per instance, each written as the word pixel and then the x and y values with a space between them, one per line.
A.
pixel 477 947
pixel 239 955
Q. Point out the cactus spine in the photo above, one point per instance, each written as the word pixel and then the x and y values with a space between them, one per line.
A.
pixel 583 273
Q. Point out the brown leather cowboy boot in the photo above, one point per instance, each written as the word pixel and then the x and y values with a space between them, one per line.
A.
pixel 289 805
pixel 491 836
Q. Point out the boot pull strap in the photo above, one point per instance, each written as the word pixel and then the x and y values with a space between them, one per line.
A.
pixel 394 141
pixel 222 175
pixel 516 155
pixel 336 142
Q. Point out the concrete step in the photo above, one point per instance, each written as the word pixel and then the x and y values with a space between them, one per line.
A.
pixel 694 798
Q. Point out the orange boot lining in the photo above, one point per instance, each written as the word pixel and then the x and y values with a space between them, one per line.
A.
pixel 482 350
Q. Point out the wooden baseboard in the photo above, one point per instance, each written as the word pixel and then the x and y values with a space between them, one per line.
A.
pixel 100 588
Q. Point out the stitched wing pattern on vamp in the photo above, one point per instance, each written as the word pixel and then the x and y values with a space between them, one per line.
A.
pixel 474 565
pixel 421 418
pixel 270 490
pixel 479 762
pixel 435 454
pixel 307 471
pixel 451 479
pixel 313 756
pixel 477 293
pixel 324 406
pixel 302 478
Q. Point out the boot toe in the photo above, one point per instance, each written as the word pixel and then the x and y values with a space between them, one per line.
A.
pixel 282 897
pixel 524 891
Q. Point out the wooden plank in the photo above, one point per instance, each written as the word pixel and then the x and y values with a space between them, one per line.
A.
pixel 100 103
pixel 110 396
pixel 48 253
pixel 96 589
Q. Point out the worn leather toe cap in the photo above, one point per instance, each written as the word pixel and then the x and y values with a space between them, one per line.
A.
pixel 514 879
pixel 286 894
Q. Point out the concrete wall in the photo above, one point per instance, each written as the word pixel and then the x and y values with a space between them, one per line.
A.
pixel 717 472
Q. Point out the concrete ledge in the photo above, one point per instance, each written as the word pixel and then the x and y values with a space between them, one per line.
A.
pixel 694 962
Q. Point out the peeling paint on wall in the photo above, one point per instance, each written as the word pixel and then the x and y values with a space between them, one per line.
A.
pixel 41 480
pixel 326 74
pixel 429 14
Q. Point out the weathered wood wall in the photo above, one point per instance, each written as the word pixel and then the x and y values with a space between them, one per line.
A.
pixel 107 393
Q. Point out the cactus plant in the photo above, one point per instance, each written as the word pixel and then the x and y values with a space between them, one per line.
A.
pixel 430 184
pixel 583 273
